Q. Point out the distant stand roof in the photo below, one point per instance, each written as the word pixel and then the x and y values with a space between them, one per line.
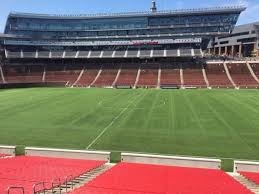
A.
pixel 133 14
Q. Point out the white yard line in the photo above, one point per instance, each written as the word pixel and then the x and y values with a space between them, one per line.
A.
pixel 111 123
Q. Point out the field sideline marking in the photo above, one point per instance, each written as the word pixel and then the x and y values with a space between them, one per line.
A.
pixel 110 124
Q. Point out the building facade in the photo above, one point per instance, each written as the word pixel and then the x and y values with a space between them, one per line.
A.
pixel 242 42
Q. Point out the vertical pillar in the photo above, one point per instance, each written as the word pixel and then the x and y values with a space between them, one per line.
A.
pixel 226 50
pixel 240 50
pixel 214 50
pixel 232 50
pixel 219 50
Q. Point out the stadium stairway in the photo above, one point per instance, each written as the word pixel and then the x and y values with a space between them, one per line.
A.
pixel 117 77
pixel 205 77
pixel 247 183
pixel 79 77
pixel 159 77
pixel 229 76
pixel 2 74
pixel 79 181
pixel 137 78
pixel 181 77
pixel 97 76
pixel 252 72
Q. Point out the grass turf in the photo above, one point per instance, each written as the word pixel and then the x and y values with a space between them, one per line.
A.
pixel 213 123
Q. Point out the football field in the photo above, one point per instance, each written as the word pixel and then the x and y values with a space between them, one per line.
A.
pixel 214 123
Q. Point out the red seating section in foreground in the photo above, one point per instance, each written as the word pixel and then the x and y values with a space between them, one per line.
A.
pixel 192 76
pixel 127 178
pixel 252 176
pixel 25 171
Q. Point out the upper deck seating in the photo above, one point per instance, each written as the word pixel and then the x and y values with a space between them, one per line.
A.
pixel 170 75
pixel 242 76
pixel 148 76
pixel 64 74
pixel 25 171
pixel 90 73
pixel 108 75
pixel 128 178
pixel 128 75
pixel 217 76
pixel 192 76
pixel 23 74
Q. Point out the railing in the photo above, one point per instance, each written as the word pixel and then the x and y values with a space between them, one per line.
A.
pixel 69 179
pixel 56 183
pixel 15 188
pixel 35 191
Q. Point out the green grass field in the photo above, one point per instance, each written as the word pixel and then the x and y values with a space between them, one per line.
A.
pixel 214 123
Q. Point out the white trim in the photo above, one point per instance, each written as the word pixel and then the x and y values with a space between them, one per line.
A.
pixel 171 160
pixel 64 153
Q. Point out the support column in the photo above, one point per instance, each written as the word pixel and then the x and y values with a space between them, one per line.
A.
pixel 232 50
pixel 226 50
pixel 240 50
pixel 220 50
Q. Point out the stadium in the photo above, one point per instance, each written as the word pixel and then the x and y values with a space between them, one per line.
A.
pixel 152 102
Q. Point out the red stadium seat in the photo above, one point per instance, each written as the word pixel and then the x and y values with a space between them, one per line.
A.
pixel 127 178
pixel 25 171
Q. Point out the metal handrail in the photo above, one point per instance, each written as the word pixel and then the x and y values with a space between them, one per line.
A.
pixel 58 184
pixel 67 179
pixel 15 188
pixel 37 184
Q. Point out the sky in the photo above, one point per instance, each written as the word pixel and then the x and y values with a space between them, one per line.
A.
pixel 110 6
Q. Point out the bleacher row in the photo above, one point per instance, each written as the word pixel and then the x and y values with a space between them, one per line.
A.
pixel 183 75
pixel 137 175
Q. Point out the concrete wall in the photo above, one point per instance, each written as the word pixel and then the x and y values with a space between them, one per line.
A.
pixel 7 150
pixel 246 166
pixel 62 153
pixel 171 160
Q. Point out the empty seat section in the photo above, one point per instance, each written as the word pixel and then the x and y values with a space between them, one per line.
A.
pixel 192 76
pixel 83 54
pixel 170 75
pixel 90 73
pixel 65 75
pixel 70 54
pixel 217 76
pixel 186 52
pixel 25 171
pixel 128 75
pixel 255 68
pixel 108 75
pixel 107 53
pixel 158 53
pixel 130 178
pixel 148 76
pixel 242 76
pixel 23 74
